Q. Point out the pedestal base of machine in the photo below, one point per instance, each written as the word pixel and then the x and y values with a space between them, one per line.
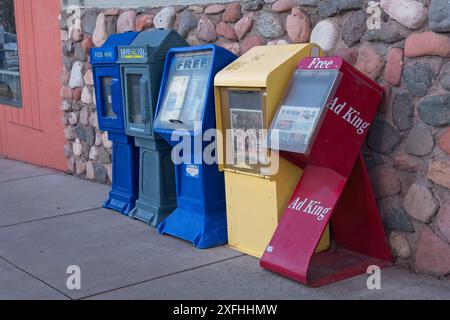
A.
pixel 348 203
pixel 125 164
pixel 157 196
pixel 330 266
pixel 255 205
pixel 202 230
pixel 151 215
pixel 120 203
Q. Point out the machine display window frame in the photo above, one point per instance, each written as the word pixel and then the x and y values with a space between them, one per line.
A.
pixel 101 72
pixel 255 169
pixel 168 126
pixel 144 100
pixel 323 109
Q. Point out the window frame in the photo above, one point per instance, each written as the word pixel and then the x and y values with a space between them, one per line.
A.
pixel 4 101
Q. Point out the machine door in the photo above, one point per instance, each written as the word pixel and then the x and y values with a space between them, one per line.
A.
pixel 108 95
pixel 184 92
pixel 139 115
pixel 301 113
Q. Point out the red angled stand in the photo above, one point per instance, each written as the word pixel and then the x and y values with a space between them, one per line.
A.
pixel 335 189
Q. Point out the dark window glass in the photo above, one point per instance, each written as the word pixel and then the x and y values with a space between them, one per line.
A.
pixel 134 94
pixel 10 90
pixel 107 98
pixel 310 88
pixel 240 99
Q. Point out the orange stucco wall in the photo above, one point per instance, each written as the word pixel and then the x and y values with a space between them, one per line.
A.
pixel 34 133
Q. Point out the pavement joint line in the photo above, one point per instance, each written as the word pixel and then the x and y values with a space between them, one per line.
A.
pixel 49 218
pixel 160 277
pixel 36 278
pixel 31 177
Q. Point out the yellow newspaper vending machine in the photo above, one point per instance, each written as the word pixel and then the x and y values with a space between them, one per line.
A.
pixel 258 182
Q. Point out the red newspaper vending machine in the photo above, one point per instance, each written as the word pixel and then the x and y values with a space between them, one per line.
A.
pixel 321 126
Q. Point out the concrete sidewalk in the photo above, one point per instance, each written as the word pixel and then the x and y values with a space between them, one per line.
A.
pixel 44 228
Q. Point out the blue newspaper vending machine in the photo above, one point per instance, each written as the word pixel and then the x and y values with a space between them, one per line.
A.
pixel 108 95
pixel 185 118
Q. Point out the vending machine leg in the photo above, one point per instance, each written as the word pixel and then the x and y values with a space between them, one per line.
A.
pixel 200 217
pixel 157 197
pixel 125 160
pixel 350 207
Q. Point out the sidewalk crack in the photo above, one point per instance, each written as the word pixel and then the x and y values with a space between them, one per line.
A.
pixel 161 277
pixel 36 278
pixel 31 177
pixel 48 218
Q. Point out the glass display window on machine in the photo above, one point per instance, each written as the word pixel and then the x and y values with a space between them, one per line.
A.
pixel 244 112
pixel 246 119
pixel 107 97
pixel 185 94
pixel 301 113
pixel 137 84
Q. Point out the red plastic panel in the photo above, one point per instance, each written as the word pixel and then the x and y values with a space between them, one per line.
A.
pixel 303 223
pixel 334 187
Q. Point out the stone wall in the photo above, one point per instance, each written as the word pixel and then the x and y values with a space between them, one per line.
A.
pixel 402 44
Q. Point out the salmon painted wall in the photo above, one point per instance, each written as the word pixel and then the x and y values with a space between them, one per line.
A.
pixel 34 133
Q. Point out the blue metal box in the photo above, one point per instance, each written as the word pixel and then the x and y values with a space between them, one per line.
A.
pixel 108 95
pixel 185 118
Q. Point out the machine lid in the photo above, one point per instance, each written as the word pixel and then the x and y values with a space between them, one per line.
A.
pixel 300 115
pixel 185 91
pixel 120 39
pixel 253 68
pixel 150 45
pixel 153 38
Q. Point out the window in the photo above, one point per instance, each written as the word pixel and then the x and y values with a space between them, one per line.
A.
pixel 107 98
pixel 185 93
pixel 298 118
pixel 134 91
pixel 10 90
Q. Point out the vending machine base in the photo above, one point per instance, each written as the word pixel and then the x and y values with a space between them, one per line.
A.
pixel 157 197
pixel 200 217
pixel 192 226
pixel 324 196
pixel 124 191
pixel 253 219
pixel 150 214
